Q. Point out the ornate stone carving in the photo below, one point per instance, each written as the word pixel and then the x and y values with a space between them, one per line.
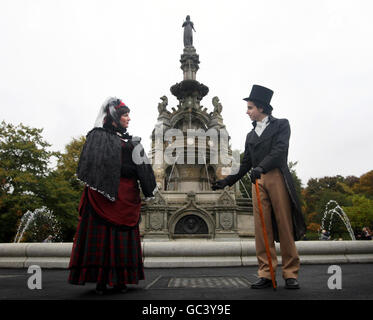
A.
pixel 156 221
pixel 191 195
pixel 191 224
pixel 162 106
pixel 189 88
pixel 217 106
pixel 226 220
pixel 159 199
pixel 226 200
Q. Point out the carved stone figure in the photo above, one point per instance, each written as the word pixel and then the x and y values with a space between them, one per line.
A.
pixel 162 106
pixel 217 106
pixel 188 32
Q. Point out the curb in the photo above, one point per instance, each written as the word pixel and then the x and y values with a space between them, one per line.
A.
pixel 191 253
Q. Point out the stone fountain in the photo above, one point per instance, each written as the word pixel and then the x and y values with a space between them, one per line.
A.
pixel 190 149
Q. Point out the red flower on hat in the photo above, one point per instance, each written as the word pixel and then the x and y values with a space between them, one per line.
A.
pixel 121 104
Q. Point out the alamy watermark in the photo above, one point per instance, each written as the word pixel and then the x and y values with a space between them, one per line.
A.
pixel 335 281
pixel 191 146
pixel 35 280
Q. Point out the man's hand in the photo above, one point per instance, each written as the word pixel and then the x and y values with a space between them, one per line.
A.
pixel 255 174
pixel 220 184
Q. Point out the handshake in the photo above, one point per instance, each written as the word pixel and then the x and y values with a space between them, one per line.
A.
pixel 254 175
pixel 220 184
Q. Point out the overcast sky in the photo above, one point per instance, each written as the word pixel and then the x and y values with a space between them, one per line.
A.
pixel 59 60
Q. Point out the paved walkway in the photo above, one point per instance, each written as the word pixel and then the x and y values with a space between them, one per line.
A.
pixel 226 284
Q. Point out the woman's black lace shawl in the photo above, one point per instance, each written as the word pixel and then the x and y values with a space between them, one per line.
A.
pixel 100 162
pixel 100 165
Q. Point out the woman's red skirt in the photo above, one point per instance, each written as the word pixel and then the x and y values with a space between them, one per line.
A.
pixel 103 250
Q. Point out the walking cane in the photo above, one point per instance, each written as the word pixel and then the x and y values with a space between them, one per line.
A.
pixel 265 236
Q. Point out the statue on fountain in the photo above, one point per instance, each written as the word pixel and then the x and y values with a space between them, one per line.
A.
pixel 188 32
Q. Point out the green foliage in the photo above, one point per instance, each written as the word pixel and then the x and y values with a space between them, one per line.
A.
pixel 353 194
pixel 360 212
pixel 62 190
pixel 24 161
pixel 365 185
pixel 320 191
pixel 27 182
pixel 60 197
pixel 312 235
pixel 297 182
pixel 41 223
pixel 351 180
pixel 68 162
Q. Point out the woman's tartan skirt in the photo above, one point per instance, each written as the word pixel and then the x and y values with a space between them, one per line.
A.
pixel 104 253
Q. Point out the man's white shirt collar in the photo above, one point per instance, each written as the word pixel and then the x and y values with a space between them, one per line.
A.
pixel 261 125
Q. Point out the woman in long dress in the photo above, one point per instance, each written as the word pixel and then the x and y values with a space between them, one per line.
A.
pixel 107 246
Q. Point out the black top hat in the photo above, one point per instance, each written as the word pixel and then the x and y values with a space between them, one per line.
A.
pixel 261 94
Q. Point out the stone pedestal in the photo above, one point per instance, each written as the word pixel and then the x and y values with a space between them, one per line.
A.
pixel 189 63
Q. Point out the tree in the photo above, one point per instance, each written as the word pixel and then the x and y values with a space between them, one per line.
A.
pixel 24 160
pixel 39 225
pixel 297 181
pixel 320 191
pixel 27 182
pixel 360 213
pixel 68 162
pixel 351 180
pixel 62 189
pixel 365 185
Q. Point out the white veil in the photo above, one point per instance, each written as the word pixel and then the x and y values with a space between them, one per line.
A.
pixel 102 113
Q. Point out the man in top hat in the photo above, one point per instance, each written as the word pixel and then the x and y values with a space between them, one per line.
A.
pixel 266 153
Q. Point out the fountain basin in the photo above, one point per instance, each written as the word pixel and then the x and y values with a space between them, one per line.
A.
pixel 191 253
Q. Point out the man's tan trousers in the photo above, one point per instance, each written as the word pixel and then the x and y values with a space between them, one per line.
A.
pixel 274 196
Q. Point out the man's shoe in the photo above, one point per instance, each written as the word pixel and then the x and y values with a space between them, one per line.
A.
pixel 262 283
pixel 291 283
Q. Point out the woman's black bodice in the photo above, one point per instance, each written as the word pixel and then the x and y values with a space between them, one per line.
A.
pixel 128 169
